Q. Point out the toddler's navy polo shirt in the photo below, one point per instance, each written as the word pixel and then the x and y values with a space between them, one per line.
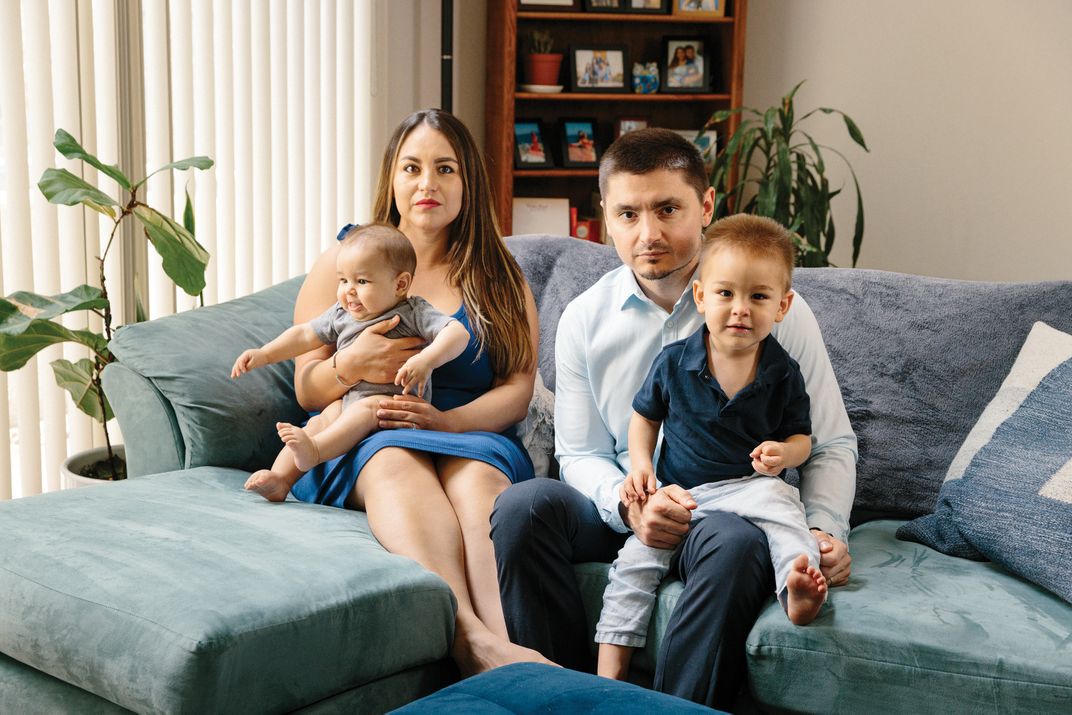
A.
pixel 707 437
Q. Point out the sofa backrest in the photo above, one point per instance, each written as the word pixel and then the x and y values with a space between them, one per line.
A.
pixel 917 358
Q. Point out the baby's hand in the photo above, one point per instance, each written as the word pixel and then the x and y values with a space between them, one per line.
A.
pixel 413 375
pixel 638 484
pixel 247 361
pixel 769 458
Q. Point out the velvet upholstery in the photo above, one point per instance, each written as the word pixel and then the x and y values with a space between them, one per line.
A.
pixel 181 592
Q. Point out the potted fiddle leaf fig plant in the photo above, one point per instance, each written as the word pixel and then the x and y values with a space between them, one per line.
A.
pixel 772 167
pixel 30 322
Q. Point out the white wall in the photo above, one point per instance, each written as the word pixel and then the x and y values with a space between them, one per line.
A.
pixel 967 108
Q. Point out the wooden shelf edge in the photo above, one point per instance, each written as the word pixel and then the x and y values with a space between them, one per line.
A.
pixel 622 17
pixel 553 173
pixel 623 97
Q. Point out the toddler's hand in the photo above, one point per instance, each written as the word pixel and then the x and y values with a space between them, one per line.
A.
pixel 247 361
pixel 768 458
pixel 413 376
pixel 638 484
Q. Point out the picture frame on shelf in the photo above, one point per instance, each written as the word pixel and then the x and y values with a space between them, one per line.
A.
pixel 624 125
pixel 549 5
pixel 647 7
pixel 530 145
pixel 686 66
pixel 707 143
pixel 699 9
pixel 604 5
pixel 579 147
pixel 599 68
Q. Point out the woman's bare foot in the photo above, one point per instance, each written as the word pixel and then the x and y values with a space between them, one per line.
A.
pixel 805 591
pixel 268 484
pixel 301 445
pixel 484 650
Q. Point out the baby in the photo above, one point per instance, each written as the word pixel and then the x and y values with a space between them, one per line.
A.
pixel 376 263
pixel 734 414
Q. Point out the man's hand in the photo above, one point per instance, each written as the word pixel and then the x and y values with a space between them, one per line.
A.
pixel 834 559
pixel 663 520
pixel 375 358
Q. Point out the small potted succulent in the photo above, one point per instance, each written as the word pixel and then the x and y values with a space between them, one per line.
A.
pixel 541 65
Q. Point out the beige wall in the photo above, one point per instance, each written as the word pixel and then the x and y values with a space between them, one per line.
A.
pixel 967 108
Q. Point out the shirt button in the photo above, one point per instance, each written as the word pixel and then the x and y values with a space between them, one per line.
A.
pixel 669 323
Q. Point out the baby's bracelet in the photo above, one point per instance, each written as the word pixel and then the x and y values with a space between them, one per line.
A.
pixel 338 378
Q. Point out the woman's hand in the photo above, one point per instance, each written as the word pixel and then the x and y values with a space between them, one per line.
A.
pixel 411 412
pixel 372 357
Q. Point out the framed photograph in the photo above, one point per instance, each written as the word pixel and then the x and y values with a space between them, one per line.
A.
pixel 652 7
pixel 686 66
pixel 550 5
pixel 604 5
pixel 599 69
pixel 579 146
pixel 530 147
pixel 700 8
pixel 707 143
pixel 629 124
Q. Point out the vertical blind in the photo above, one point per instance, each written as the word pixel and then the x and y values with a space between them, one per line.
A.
pixel 276 92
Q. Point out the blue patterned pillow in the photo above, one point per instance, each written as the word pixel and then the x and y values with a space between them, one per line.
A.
pixel 1008 494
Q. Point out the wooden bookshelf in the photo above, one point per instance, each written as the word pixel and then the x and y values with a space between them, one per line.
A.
pixel 642 35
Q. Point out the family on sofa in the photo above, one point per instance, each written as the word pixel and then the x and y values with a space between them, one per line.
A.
pixel 447 482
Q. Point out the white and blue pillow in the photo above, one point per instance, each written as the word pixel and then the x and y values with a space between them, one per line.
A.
pixel 1007 496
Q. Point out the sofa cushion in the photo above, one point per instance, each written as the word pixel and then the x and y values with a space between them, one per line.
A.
pixel 1008 497
pixel 206 397
pixel 972 636
pixel 182 592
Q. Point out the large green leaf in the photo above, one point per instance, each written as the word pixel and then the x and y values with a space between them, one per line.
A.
pixel 21 308
pixel 193 162
pixel 183 257
pixel 854 131
pixel 16 350
pixel 62 187
pixel 70 148
pixel 77 379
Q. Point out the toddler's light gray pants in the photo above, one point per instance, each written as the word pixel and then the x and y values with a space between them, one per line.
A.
pixel 767 502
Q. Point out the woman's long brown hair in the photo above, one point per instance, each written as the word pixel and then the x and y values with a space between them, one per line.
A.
pixel 492 285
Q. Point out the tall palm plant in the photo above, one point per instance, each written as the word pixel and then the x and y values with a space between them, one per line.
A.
pixel 772 167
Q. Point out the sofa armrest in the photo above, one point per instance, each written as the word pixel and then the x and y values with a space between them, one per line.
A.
pixel 151 432
pixel 194 408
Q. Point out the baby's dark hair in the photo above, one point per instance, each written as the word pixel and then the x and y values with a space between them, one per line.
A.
pixel 384 238
pixel 757 235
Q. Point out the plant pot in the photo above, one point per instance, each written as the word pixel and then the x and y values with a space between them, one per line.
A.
pixel 542 68
pixel 71 472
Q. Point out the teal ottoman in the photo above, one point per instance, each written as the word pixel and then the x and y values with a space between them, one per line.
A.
pixel 181 592
pixel 535 688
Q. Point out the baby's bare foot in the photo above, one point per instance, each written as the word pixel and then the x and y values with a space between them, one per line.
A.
pixel 805 591
pixel 301 445
pixel 268 484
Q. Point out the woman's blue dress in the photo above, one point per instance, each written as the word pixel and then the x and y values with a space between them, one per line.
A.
pixel 459 382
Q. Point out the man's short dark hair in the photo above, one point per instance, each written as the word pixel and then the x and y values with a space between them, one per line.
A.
pixel 646 150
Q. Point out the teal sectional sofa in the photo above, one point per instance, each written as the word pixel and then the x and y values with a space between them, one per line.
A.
pixel 176 591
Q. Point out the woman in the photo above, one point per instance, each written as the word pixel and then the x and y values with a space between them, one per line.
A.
pixel 429 478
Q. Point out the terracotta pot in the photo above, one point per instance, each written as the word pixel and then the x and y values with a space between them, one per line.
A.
pixel 71 471
pixel 542 69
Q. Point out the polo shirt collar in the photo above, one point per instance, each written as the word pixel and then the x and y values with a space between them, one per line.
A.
pixel 773 362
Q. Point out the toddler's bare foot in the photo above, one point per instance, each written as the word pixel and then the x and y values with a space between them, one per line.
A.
pixel 805 591
pixel 483 651
pixel 268 484
pixel 301 445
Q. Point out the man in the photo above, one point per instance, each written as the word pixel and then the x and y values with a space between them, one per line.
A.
pixel 656 203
